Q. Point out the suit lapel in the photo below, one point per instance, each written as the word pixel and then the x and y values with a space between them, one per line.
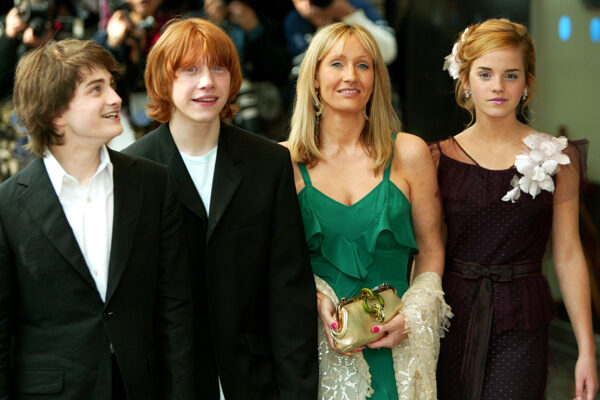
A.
pixel 128 196
pixel 226 179
pixel 168 154
pixel 39 198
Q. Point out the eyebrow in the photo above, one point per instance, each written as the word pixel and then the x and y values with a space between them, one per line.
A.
pixel 95 81
pixel 506 70
pixel 344 56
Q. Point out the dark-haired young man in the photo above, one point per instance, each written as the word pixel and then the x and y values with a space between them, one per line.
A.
pixel 94 296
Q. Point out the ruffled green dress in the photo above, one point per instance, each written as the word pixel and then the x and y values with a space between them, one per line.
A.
pixel 363 245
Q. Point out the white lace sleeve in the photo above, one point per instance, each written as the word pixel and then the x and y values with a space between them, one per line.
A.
pixel 415 358
pixel 340 377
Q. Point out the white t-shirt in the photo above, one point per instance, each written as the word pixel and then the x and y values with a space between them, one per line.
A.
pixel 202 171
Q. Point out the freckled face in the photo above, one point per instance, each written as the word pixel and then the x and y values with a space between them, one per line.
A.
pixel 497 80
pixel 345 78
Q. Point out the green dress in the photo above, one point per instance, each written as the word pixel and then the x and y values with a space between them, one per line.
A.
pixel 363 245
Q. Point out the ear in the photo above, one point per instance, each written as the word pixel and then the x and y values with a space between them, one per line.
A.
pixel 316 83
pixel 59 122
pixel 465 80
pixel 465 83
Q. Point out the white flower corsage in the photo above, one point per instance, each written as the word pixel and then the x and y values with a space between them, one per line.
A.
pixel 451 61
pixel 538 163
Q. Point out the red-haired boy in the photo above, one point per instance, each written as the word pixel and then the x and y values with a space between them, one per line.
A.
pixel 255 311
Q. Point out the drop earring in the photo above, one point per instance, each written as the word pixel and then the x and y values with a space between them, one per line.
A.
pixel 318 105
pixel 467 93
pixel 525 94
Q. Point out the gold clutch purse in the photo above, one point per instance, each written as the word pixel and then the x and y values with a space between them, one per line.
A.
pixel 357 315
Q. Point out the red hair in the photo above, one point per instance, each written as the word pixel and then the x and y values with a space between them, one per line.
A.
pixel 184 43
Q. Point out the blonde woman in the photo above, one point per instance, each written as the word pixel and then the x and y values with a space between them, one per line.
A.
pixel 506 190
pixel 369 202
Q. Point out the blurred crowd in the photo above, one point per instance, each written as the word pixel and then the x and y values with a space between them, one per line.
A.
pixel 270 36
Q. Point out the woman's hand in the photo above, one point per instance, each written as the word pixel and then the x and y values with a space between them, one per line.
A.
pixel 326 314
pixel 394 332
pixel 586 378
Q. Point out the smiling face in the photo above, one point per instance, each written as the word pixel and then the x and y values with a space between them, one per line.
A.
pixel 345 78
pixel 199 93
pixel 497 80
pixel 93 115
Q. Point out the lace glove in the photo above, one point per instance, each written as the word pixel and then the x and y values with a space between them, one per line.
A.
pixel 427 319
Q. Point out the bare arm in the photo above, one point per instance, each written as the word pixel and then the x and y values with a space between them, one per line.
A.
pixel 572 272
pixel 414 166
pixel 426 208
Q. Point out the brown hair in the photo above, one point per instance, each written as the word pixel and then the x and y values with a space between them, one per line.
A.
pixel 488 36
pixel 183 43
pixel 45 82
pixel 377 137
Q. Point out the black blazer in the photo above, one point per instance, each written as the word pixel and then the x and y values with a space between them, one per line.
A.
pixel 56 334
pixel 255 298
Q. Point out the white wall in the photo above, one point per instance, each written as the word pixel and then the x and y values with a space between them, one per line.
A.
pixel 568 75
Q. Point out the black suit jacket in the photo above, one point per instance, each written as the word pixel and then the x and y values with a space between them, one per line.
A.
pixel 56 334
pixel 255 302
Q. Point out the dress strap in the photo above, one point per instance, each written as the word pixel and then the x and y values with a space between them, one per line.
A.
pixel 464 151
pixel 305 175
pixel 387 171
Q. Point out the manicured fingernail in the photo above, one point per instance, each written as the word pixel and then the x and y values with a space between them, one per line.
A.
pixel 334 325
pixel 375 329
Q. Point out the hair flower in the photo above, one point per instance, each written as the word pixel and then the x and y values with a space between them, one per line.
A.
pixel 451 61
pixel 538 163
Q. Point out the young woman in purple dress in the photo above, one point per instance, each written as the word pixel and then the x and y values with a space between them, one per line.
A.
pixel 507 190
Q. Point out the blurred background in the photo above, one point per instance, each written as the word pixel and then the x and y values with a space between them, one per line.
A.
pixel 270 42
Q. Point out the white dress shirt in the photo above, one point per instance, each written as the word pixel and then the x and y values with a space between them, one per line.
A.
pixel 89 210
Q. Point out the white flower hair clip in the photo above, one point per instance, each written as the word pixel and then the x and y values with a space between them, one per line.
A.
pixel 451 61
pixel 538 163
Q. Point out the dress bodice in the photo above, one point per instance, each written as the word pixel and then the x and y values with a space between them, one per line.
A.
pixel 362 245
pixel 484 230
pixel 473 209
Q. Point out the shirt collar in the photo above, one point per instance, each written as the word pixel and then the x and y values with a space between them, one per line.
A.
pixel 58 175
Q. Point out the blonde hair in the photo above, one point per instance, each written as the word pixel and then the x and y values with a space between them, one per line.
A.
pixel 492 35
pixel 377 137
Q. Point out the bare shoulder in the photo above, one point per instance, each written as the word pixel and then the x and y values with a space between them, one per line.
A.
pixel 298 181
pixel 411 149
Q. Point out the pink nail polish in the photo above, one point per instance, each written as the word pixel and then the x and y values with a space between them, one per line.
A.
pixel 334 326
pixel 375 329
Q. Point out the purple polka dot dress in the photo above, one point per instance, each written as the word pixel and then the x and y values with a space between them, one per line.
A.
pixel 497 346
